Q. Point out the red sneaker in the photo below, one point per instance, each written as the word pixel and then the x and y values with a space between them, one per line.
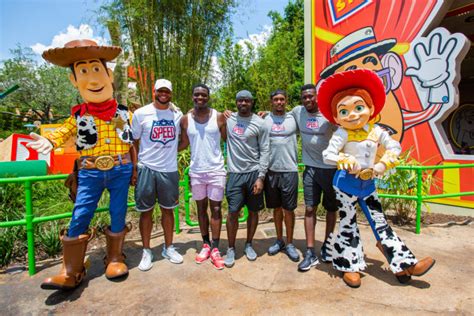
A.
pixel 216 259
pixel 204 254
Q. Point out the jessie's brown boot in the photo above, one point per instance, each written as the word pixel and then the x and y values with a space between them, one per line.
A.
pixel 380 247
pixel 73 269
pixel 352 279
pixel 115 266
pixel 423 266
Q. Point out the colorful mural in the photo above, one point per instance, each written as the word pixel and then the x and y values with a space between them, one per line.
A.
pixel 418 63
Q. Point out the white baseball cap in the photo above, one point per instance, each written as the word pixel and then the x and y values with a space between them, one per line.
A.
pixel 163 83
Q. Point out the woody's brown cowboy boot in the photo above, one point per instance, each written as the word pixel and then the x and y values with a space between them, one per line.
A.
pixel 352 279
pixel 74 268
pixel 115 266
pixel 419 269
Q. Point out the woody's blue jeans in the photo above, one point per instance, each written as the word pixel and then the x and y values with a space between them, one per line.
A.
pixel 91 185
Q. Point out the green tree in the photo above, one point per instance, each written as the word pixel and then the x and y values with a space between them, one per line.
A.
pixel 174 39
pixel 44 89
pixel 279 64
pixel 234 62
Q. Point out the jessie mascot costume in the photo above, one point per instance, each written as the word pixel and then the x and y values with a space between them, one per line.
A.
pixel 352 99
pixel 104 140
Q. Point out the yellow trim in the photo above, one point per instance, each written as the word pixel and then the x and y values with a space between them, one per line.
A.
pixel 451 180
pixel 332 38
pixel 326 35
pixel 452 201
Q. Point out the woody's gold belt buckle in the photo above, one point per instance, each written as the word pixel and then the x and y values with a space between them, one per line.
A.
pixel 104 163
pixel 366 174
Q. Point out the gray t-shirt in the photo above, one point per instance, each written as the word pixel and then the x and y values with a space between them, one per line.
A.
pixel 248 144
pixel 283 144
pixel 316 132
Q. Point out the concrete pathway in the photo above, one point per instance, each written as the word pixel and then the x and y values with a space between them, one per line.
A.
pixel 270 285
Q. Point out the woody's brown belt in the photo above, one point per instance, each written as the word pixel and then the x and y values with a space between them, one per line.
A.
pixel 104 163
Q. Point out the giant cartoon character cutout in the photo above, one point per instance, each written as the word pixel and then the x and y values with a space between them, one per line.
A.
pixel 420 73
pixel 431 61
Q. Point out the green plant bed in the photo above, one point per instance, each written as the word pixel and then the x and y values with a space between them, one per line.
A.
pixel 404 182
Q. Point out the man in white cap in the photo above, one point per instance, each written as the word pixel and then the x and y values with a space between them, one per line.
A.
pixel 156 129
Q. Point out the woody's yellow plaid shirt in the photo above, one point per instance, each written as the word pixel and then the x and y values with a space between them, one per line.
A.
pixel 108 142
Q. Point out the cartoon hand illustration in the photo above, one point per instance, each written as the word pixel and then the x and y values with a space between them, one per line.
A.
pixel 433 66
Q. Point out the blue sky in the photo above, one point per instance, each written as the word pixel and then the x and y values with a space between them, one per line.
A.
pixel 35 23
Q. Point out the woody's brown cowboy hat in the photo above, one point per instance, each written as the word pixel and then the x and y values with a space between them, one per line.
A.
pixel 80 50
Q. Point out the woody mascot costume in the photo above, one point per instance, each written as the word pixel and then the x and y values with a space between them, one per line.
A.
pixel 352 99
pixel 104 140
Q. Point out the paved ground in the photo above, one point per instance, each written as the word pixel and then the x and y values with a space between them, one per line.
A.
pixel 447 209
pixel 270 285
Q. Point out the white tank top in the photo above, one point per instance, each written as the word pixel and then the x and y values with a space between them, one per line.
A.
pixel 205 141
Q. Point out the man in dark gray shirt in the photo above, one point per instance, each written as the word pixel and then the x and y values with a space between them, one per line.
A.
pixel 315 132
pixel 247 162
pixel 281 182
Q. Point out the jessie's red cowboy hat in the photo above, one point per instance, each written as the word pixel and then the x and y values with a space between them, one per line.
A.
pixel 359 78
pixel 80 50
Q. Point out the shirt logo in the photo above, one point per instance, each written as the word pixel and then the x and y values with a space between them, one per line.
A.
pixel 163 131
pixel 278 127
pixel 239 129
pixel 312 123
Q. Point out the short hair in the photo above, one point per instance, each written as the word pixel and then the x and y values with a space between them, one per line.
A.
pixel 308 86
pixel 276 92
pixel 202 85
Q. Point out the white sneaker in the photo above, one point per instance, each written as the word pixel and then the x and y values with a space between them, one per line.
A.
pixel 171 254
pixel 146 262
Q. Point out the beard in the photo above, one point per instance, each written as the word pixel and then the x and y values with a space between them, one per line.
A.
pixel 166 100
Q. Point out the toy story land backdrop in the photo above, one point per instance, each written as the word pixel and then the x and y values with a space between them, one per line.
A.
pixel 419 64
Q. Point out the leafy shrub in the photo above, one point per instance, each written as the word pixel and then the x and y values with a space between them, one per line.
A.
pixel 47 238
pixel 404 182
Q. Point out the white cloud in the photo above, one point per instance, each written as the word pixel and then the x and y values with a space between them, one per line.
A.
pixel 258 39
pixel 84 31
pixel 215 74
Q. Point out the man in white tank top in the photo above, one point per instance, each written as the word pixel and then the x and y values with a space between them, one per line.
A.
pixel 203 128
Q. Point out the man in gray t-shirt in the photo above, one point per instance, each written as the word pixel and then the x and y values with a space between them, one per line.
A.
pixel 281 182
pixel 315 133
pixel 247 162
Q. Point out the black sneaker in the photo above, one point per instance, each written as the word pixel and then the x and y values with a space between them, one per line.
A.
pixel 278 246
pixel 309 260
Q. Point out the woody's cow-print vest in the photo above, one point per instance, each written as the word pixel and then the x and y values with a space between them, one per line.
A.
pixel 87 135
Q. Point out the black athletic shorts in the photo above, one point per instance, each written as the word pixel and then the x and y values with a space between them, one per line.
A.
pixel 281 190
pixel 317 181
pixel 239 190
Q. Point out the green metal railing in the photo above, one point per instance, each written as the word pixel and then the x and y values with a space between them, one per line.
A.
pixel 31 220
pixel 419 197
pixel 187 203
